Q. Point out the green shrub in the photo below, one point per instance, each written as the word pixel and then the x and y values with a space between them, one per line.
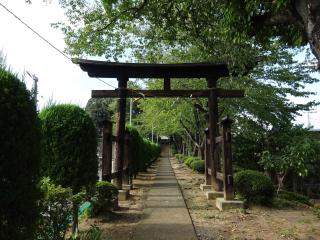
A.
pixel 180 157
pixel 69 147
pixel 198 166
pixel 254 186
pixel 237 168
pixel 56 209
pixel 106 194
pixel 94 233
pixel 189 160
pixel 291 196
pixel 316 211
pixel 19 159
pixel 143 152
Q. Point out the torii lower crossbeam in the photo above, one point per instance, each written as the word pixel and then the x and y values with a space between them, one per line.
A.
pixel 221 93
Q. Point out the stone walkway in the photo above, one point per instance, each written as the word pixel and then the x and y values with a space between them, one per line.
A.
pixel 165 216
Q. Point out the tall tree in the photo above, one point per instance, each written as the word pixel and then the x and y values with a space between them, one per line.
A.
pixel 110 27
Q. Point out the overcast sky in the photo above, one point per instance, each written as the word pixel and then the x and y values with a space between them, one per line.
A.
pixel 58 76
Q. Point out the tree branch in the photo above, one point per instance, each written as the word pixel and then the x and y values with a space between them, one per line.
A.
pixel 189 134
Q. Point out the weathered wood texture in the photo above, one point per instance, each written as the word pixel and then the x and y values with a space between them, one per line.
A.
pixel 227 159
pixel 106 151
pixel 207 159
pixel 221 93
pixel 213 125
pixel 122 86
pixel 144 70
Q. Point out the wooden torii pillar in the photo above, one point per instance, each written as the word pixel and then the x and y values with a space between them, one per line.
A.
pixel 123 71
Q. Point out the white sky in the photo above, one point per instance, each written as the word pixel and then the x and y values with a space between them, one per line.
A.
pixel 58 77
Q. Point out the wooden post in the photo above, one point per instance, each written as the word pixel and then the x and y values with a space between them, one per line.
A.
pixel 122 93
pixel 106 150
pixel 213 124
pixel 166 84
pixel 207 171
pixel 126 159
pixel 227 159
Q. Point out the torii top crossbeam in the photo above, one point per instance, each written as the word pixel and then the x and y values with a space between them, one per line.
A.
pixel 146 70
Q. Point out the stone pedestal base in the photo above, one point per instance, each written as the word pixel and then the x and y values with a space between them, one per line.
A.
pixel 123 195
pixel 212 195
pixel 222 204
pixel 205 187
pixel 127 186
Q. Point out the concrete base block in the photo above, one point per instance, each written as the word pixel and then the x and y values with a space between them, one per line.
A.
pixel 205 187
pixel 127 186
pixel 211 195
pixel 222 204
pixel 123 195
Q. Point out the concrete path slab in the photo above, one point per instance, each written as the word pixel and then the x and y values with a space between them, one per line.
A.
pixel 165 216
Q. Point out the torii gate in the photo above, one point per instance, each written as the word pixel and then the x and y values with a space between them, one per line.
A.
pixel 123 71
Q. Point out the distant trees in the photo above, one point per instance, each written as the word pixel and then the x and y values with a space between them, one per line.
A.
pixel 19 158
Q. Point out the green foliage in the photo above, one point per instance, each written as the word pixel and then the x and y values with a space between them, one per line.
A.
pixel 142 152
pixel 289 148
pixel 56 209
pixel 180 157
pixel 19 158
pixel 104 197
pixel 94 233
pixel 316 211
pixel 99 109
pixel 69 146
pixel 190 160
pixel 292 196
pixel 198 165
pixel 254 186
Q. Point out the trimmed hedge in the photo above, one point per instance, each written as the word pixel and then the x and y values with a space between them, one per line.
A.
pixel 292 196
pixel 254 186
pixel 19 159
pixel 191 159
pixel 198 165
pixel 69 150
pixel 105 195
pixel 69 146
pixel 143 152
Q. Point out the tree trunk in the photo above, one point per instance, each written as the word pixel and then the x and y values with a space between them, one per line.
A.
pixel 280 179
pixel 75 223
pixel 294 184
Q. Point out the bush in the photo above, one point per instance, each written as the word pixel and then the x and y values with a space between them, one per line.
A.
pixel 69 147
pixel 143 152
pixel 56 209
pixel 254 186
pixel 189 160
pixel 94 233
pixel 106 194
pixel 180 157
pixel 198 165
pixel 291 196
pixel 19 159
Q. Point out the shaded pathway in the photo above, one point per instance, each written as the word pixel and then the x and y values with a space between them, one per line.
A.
pixel 165 215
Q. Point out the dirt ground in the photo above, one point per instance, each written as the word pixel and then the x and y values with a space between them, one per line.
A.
pixel 120 224
pixel 209 222
pixel 254 223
